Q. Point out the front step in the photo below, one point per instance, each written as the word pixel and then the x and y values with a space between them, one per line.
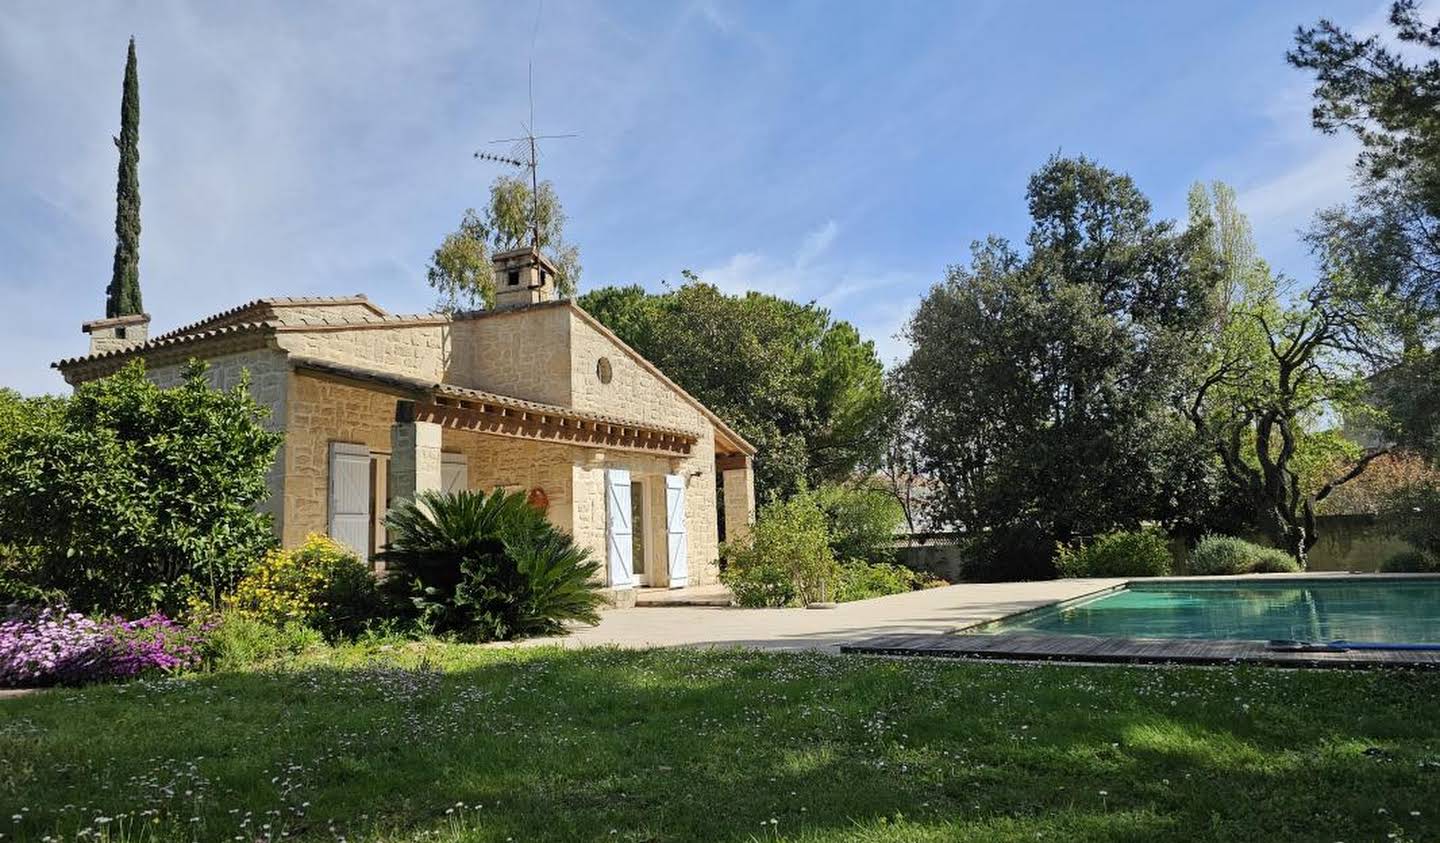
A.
pixel 649 598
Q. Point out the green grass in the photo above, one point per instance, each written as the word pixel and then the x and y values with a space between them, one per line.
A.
pixel 447 742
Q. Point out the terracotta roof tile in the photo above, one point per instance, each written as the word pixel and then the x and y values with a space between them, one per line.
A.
pixel 271 302
pixel 167 341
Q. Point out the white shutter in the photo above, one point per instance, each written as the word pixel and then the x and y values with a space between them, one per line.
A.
pixel 350 496
pixel 675 530
pixel 454 473
pixel 618 529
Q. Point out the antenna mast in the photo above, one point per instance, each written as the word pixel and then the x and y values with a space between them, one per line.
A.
pixel 525 150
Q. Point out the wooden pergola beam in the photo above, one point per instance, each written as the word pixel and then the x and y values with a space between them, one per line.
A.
pixel 731 462
pixel 493 420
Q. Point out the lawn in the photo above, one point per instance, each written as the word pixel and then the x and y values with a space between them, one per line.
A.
pixel 447 742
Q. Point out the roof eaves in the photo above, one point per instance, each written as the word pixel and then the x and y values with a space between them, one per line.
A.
pixel 166 342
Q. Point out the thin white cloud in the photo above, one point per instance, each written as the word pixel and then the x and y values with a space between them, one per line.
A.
pixel 817 243
pixel 1291 197
pixel 1298 170
pixel 803 273
pixel 878 303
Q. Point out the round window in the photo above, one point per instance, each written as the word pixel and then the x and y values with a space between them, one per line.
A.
pixel 603 370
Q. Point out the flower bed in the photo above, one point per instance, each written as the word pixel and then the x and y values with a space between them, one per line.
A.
pixel 54 647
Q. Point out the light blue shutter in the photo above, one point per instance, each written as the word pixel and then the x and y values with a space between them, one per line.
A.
pixel 454 474
pixel 675 530
pixel 618 529
pixel 350 496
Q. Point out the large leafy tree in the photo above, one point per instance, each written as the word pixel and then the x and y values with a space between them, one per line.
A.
pixel 1273 378
pixel 1382 251
pixel 1044 383
pixel 1259 412
pixel 123 296
pixel 127 497
pixel 460 270
pixel 807 390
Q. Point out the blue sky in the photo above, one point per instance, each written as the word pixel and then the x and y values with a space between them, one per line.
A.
pixel 844 152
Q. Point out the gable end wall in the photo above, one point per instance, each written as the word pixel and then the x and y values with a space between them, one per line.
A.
pixel 636 393
pixel 525 354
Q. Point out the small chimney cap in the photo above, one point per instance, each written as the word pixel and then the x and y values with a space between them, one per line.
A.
pixel 115 322
pixel 523 255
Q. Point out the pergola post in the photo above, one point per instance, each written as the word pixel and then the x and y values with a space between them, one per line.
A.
pixel 738 474
pixel 414 454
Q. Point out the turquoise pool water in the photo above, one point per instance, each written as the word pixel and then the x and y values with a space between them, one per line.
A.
pixel 1375 610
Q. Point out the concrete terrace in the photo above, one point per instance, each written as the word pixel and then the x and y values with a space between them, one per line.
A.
pixel 934 611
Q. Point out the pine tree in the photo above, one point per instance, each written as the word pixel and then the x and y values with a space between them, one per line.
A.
pixel 123 294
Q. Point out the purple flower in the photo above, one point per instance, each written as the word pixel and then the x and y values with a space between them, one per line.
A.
pixel 52 647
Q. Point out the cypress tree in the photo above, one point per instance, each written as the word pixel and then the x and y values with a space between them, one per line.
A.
pixel 123 294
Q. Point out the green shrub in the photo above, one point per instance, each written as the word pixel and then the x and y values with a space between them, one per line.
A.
pixel 860 580
pixel 1223 555
pixel 320 584
pixel 237 641
pixel 130 497
pixel 1413 513
pixel 1123 553
pixel 758 584
pixel 861 522
pixel 1411 562
pixel 19 578
pixel 488 567
pixel 1270 560
pixel 1008 554
pixel 786 558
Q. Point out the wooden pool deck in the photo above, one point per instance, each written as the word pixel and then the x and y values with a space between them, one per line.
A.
pixel 1026 646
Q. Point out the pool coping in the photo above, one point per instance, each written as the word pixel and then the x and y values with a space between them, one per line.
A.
pixel 1091 649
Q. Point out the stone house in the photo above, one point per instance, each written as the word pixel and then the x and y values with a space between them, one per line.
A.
pixel 534 395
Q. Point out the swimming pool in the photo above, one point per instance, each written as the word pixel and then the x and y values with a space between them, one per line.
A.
pixel 1360 609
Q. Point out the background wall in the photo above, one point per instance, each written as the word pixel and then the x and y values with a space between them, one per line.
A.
pixel 1347 543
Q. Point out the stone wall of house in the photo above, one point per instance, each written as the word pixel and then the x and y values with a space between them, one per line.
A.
pixel 523 353
pixel 320 412
pixel 518 465
pixel 269 375
pixel 634 392
pixel 416 351
pixel 589 526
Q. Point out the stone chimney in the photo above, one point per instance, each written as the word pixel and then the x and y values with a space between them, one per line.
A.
pixel 118 332
pixel 523 277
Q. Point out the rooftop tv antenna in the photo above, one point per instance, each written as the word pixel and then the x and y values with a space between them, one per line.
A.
pixel 525 149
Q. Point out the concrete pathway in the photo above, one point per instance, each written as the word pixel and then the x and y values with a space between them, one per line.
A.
pixel 935 610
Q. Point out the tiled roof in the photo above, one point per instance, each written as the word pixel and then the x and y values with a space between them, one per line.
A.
pixel 270 302
pixel 169 341
pixel 206 329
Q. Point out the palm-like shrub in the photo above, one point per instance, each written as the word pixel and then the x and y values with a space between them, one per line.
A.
pixel 488 567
